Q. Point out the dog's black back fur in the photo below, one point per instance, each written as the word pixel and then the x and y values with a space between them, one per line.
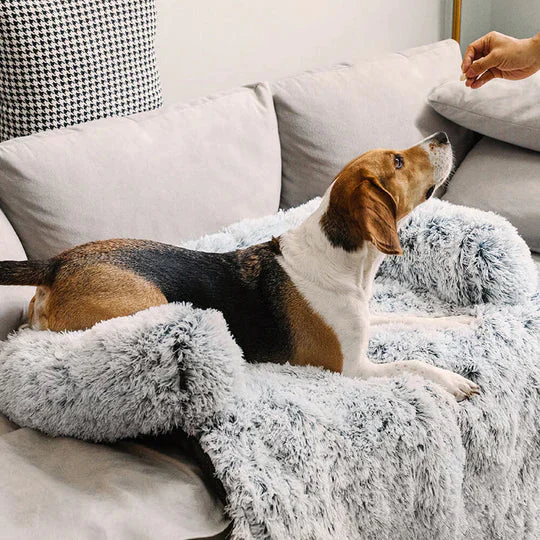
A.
pixel 246 286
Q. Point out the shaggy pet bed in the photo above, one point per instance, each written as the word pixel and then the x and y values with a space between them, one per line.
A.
pixel 307 454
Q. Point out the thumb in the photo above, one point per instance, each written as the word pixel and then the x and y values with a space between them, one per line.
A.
pixel 481 65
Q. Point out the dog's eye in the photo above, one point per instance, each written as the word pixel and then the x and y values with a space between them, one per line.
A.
pixel 398 161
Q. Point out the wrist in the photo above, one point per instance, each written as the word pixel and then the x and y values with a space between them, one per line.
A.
pixel 535 47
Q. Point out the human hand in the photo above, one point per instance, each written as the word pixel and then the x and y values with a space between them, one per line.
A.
pixel 496 55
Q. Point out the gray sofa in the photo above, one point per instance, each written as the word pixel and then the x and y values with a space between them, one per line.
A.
pixel 171 175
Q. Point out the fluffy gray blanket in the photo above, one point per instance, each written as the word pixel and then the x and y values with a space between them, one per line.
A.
pixel 307 454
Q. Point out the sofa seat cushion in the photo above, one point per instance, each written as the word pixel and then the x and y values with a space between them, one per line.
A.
pixel 505 179
pixel 166 175
pixel 64 488
pixel 328 117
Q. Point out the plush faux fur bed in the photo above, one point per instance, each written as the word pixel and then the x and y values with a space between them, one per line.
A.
pixel 307 454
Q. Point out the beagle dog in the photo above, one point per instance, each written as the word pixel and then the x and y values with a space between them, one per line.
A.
pixel 302 298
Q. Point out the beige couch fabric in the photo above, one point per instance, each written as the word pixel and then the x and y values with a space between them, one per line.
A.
pixel 166 175
pixel 64 488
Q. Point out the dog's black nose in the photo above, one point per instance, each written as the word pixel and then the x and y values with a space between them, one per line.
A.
pixel 441 137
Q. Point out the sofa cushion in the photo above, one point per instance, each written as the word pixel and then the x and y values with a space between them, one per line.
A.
pixel 62 63
pixel 166 175
pixel 505 110
pixel 13 300
pixel 505 179
pixel 328 117
pixel 64 488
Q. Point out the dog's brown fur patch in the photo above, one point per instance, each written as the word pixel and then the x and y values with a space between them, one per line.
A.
pixel 82 296
pixel 314 342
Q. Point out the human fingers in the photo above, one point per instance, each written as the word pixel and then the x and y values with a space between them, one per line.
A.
pixel 487 76
pixel 474 51
pixel 481 65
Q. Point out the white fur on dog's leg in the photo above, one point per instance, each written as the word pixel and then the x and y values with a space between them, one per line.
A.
pixel 458 386
pixel 451 322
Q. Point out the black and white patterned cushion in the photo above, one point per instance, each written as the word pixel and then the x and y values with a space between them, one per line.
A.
pixel 63 62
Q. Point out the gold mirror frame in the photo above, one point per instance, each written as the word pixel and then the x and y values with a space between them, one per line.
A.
pixel 456 21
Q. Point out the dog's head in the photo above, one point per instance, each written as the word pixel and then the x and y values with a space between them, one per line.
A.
pixel 374 191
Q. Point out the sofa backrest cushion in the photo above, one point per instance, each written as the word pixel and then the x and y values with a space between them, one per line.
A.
pixel 328 117
pixel 166 175
pixel 13 299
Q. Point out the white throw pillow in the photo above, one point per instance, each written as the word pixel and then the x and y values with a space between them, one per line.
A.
pixel 505 110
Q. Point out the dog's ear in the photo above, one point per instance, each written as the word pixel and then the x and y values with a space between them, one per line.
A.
pixel 375 211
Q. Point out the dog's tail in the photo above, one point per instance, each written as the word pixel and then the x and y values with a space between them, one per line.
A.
pixel 26 272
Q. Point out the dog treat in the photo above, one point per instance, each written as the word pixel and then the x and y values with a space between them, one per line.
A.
pixel 463 77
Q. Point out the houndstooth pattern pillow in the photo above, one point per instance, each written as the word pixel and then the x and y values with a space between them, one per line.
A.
pixel 66 62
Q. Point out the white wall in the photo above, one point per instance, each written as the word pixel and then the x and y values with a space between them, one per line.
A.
pixel 204 46
pixel 518 18
pixel 476 20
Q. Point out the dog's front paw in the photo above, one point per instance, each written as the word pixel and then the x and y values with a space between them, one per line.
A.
pixel 458 386
pixel 466 320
